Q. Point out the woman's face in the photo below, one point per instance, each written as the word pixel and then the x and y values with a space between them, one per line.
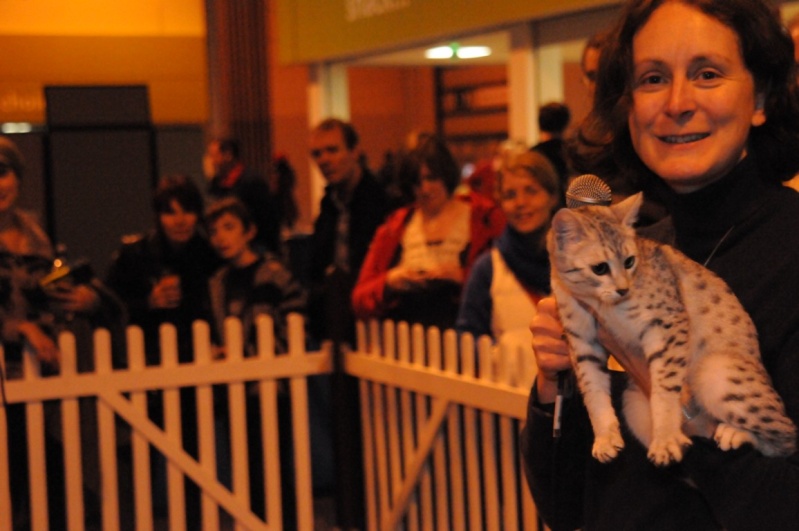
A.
pixel 178 224
pixel 431 193
pixel 9 187
pixel 527 205
pixel 694 100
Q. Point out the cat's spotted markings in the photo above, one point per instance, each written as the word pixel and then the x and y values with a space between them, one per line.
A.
pixel 654 302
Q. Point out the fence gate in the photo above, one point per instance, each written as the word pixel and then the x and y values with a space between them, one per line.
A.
pixel 441 422
pixel 110 406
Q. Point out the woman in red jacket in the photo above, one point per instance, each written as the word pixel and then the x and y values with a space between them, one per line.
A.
pixel 419 258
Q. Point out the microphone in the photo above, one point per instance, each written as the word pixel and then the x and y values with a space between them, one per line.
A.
pixel 588 190
pixel 585 190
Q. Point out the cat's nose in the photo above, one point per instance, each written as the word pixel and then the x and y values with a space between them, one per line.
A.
pixel 622 291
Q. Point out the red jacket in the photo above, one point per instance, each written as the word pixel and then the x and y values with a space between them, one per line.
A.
pixel 486 223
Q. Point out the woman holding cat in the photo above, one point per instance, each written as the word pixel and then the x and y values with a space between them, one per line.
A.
pixel 507 282
pixel 697 100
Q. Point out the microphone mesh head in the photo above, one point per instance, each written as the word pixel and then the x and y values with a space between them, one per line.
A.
pixel 587 190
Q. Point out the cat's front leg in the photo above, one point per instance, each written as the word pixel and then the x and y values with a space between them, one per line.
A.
pixel 667 368
pixel 589 360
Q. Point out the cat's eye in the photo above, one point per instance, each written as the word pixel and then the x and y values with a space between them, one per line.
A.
pixel 629 262
pixel 601 268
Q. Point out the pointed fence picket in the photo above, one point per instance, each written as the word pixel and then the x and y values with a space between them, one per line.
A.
pixel 440 421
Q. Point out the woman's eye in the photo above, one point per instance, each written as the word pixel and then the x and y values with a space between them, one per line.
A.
pixel 600 269
pixel 709 77
pixel 652 79
pixel 629 262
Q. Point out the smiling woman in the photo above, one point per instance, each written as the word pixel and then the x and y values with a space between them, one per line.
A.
pixel 506 282
pixel 692 107
pixel 162 275
pixel 696 102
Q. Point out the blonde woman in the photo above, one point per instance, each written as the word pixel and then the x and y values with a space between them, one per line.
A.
pixel 507 282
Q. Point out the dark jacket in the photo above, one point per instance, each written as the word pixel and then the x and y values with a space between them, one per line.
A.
pixel 137 266
pixel 330 290
pixel 270 290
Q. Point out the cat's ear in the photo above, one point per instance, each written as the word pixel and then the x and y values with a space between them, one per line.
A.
pixel 567 228
pixel 627 210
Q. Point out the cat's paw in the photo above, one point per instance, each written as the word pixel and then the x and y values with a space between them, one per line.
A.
pixel 666 450
pixel 607 447
pixel 729 437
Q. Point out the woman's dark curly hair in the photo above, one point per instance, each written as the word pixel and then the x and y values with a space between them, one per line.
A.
pixel 603 145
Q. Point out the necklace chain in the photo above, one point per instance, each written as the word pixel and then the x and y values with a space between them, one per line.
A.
pixel 718 244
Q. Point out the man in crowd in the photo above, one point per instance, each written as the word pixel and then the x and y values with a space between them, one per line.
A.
pixel 353 206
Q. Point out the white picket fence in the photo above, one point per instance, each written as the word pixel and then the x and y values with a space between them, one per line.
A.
pixel 441 420
pixel 439 438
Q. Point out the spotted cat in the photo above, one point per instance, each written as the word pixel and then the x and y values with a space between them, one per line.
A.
pixel 652 301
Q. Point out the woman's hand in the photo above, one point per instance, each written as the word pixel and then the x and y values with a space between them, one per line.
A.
pixel 451 272
pixel 696 421
pixel 44 346
pixel 78 299
pixel 166 293
pixel 550 348
pixel 399 278
pixel 405 279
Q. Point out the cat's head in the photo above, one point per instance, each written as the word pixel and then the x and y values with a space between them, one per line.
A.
pixel 593 250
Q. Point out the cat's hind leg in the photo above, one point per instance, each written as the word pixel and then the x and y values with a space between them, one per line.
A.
pixel 737 391
pixel 729 437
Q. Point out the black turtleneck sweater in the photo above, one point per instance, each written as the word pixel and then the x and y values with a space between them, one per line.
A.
pixel 745 229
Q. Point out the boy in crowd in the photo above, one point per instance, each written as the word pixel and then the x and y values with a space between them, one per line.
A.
pixel 248 284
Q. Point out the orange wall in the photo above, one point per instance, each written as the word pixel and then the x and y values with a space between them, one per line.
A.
pixel 160 43
pixel 101 17
pixel 174 68
pixel 389 103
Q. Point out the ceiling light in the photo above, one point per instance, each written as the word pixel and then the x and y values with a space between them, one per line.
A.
pixel 455 50
pixel 440 52
pixel 473 52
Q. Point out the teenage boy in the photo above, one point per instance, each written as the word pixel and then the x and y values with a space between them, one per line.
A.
pixel 251 283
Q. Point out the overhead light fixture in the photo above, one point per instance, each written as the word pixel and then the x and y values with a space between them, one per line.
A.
pixel 11 128
pixel 473 52
pixel 439 52
pixel 454 50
